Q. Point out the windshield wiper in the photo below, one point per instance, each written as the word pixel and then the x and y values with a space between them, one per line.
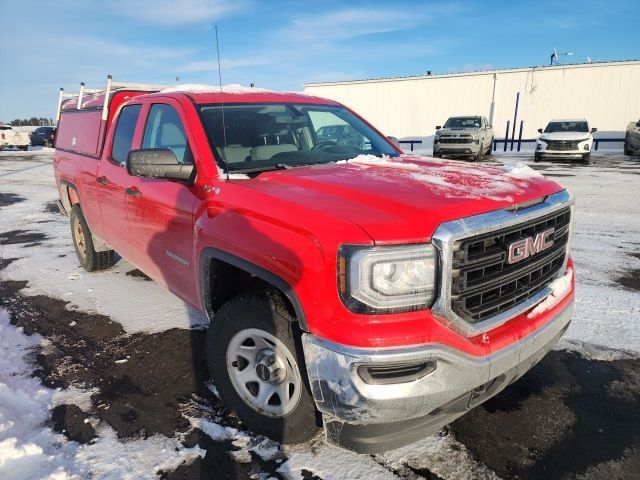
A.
pixel 277 166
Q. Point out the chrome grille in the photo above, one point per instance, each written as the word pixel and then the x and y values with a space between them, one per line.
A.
pixel 483 284
pixel 562 145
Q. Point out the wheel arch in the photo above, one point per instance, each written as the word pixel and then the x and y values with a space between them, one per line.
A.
pixel 212 258
pixel 69 195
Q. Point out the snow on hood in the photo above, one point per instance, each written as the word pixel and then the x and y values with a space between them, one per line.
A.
pixel 565 136
pixel 397 198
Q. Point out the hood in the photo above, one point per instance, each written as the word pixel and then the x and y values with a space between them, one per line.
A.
pixel 404 200
pixel 565 136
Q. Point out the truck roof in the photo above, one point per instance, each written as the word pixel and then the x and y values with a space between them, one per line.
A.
pixel 204 94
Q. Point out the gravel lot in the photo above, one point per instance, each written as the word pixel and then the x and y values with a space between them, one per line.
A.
pixel 112 375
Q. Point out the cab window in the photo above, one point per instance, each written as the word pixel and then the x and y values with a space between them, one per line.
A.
pixel 165 130
pixel 123 136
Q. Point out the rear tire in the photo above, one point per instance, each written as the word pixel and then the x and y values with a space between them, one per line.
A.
pixel 89 259
pixel 24 148
pixel 242 331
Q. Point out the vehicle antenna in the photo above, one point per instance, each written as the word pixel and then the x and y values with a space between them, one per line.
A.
pixel 224 127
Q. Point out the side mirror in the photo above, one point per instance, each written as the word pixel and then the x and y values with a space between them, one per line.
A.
pixel 638 124
pixel 438 127
pixel 489 126
pixel 158 163
pixel 394 140
pixel 539 130
pixel 593 130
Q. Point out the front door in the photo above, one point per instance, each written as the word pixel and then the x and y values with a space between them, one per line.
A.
pixel 161 211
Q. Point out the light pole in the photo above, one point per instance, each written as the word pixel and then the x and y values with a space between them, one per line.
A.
pixel 555 56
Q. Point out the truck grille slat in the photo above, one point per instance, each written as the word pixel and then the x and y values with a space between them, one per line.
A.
pixel 483 284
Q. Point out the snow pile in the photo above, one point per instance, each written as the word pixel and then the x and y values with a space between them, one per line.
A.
pixel 201 88
pixel 521 170
pixel 560 287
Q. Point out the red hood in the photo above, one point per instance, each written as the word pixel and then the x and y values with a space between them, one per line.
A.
pixel 404 200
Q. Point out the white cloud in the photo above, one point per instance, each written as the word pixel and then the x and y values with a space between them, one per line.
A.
pixel 176 12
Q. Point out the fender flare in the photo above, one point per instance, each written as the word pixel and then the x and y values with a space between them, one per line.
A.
pixel 66 202
pixel 269 277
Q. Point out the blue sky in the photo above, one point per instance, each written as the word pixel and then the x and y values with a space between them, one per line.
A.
pixel 282 44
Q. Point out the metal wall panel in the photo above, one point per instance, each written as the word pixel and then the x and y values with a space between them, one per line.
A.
pixel 606 94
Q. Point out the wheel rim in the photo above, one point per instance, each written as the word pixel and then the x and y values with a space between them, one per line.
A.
pixel 78 235
pixel 264 372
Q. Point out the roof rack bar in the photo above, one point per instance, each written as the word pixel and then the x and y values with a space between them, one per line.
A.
pixel 60 96
pixel 105 104
pixel 79 104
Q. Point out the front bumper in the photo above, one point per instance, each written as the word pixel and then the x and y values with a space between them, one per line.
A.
pixel 563 153
pixel 372 418
pixel 456 148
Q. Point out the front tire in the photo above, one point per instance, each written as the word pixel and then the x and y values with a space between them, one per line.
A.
pixel 83 243
pixel 256 361
pixel 480 155
pixel 537 157
pixel 586 158
pixel 627 151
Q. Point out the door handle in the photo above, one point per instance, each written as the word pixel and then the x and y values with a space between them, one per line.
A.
pixel 133 191
pixel 102 180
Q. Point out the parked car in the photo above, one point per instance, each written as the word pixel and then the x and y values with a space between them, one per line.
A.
pixel 565 139
pixel 13 138
pixel 632 138
pixel 341 135
pixel 464 136
pixel 43 136
pixel 383 293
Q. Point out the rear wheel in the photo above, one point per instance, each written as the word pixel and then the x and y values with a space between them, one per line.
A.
pixel 83 243
pixel 256 361
pixel 24 147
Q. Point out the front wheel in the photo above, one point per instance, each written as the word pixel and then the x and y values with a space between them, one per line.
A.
pixel 256 361
pixel 89 258
pixel 627 151
pixel 24 148
pixel 478 156
pixel 490 150
pixel 586 158
pixel 537 157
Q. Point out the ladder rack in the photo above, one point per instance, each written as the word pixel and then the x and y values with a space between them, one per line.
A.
pixel 110 87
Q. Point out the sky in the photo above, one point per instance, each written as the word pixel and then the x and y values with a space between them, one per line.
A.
pixel 45 45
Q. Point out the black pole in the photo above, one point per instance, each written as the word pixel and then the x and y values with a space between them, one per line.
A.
pixel 515 117
pixel 506 137
pixel 520 134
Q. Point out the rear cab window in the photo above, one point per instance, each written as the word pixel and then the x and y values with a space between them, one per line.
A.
pixel 123 136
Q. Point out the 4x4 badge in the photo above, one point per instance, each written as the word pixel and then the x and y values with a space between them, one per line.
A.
pixel 526 247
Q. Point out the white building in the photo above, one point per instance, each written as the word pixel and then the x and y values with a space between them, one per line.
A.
pixel 607 94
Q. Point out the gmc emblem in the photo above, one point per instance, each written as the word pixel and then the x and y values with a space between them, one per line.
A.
pixel 526 247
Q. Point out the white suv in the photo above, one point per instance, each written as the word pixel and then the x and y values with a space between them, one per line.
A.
pixel 565 139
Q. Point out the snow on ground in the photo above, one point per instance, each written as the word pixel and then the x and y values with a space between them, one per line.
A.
pixel 30 449
pixel 607 232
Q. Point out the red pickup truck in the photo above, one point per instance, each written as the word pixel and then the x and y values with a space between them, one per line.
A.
pixel 347 285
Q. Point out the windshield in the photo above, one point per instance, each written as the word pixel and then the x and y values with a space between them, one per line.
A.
pixel 566 127
pixel 267 136
pixel 463 122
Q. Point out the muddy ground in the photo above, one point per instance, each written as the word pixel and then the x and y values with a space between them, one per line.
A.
pixel 569 417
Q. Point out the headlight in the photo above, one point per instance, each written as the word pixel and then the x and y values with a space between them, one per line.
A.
pixel 386 278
